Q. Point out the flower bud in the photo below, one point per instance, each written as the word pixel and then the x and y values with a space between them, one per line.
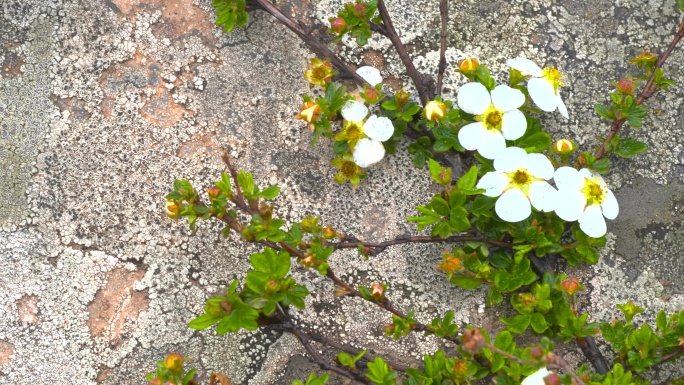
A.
pixel 389 329
pixel 308 261
pixel 645 60
pixel 469 65
pixel 371 94
pixel 625 86
pixel 174 362
pixel 571 285
pixel 450 263
pixel 309 112
pixel 402 98
pixel 536 352
pixel 360 8
pixel 581 161
pixel 527 299
pixel 329 233
pixel 473 340
pixel 155 381
pixel 214 192
pixel 272 286
pixel 378 291
pixel 460 368
pixel 564 146
pixel 337 24
pixel 552 379
pixel 173 209
pixel 435 110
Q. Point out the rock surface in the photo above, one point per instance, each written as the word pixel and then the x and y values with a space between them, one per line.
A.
pixel 103 103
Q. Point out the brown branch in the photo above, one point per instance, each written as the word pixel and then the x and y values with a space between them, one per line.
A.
pixel 403 54
pixel 444 15
pixel 648 91
pixel 316 45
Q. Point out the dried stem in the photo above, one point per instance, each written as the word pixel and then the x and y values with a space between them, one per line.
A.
pixel 648 91
pixel 316 45
pixel 413 73
pixel 444 15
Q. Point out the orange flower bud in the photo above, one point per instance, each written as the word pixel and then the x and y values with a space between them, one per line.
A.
pixel 571 285
pixel 435 110
pixel 173 209
pixel 337 24
pixel 468 65
pixel 450 263
pixel 564 146
pixel 214 192
pixel 389 329
pixel 309 112
pixel 473 340
pixel 174 362
pixel 625 86
pixel 329 233
pixel 308 261
pixel 527 299
pixel 402 98
pixel 460 368
pixel 377 291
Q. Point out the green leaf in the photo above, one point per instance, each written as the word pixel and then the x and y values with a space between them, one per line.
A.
pixel 629 147
pixel 467 283
pixel 270 192
pixel 517 324
pixel 538 323
pixel 467 181
pixel 458 219
pixel 204 321
pixel 604 112
pixel 537 142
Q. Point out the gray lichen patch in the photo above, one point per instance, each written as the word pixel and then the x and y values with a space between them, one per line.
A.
pixel 25 113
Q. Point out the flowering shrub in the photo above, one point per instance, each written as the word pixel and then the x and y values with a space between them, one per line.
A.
pixel 521 200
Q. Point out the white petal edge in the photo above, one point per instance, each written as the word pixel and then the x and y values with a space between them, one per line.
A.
pixel 513 124
pixel 378 128
pixel 543 196
pixel 506 98
pixel 492 144
pixel 354 111
pixel 540 166
pixel 370 74
pixel 368 152
pixel 513 206
pixel 494 182
pixel 610 206
pixel 536 378
pixel 542 93
pixel 592 222
pixel 569 205
pixel 568 178
pixel 471 135
pixel 561 106
pixel 474 98
pixel 510 159
pixel 525 66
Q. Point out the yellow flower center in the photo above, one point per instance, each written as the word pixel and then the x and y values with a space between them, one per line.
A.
pixel 595 191
pixel 554 76
pixel 348 168
pixel 353 132
pixel 492 118
pixel 521 179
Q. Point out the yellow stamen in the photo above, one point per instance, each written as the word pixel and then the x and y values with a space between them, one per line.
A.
pixel 492 118
pixel 595 191
pixel 554 76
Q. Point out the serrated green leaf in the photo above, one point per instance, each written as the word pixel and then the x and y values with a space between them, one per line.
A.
pixel 629 147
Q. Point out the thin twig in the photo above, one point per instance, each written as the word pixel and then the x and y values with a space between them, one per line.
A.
pixel 315 44
pixel 403 54
pixel 648 91
pixel 444 15
pixel 401 239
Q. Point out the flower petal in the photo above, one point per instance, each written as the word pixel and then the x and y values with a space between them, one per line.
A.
pixel 368 152
pixel 568 178
pixel 536 378
pixel 592 222
pixel 561 106
pixel 474 98
pixel 543 196
pixel 354 111
pixel 569 204
pixel 513 124
pixel 610 206
pixel 542 93
pixel 525 66
pixel 370 74
pixel 471 135
pixel 492 144
pixel 540 166
pixel 506 98
pixel 510 159
pixel 378 128
pixel 513 206
pixel 494 182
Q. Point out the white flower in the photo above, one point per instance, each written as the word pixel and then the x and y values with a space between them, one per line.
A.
pixel 498 118
pixel 520 180
pixel 368 149
pixel 536 378
pixel 584 196
pixel 543 85
pixel 370 75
